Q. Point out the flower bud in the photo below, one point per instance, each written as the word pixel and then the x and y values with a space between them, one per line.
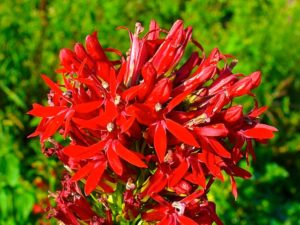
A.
pixel 68 59
pixel 94 48
pixel 256 79
pixel 233 114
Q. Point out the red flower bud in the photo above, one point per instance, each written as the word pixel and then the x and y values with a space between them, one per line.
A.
pixel 94 48
pixel 256 79
pixel 68 59
pixel 233 114
pixel 241 87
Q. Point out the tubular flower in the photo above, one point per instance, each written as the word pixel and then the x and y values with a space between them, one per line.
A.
pixel 147 129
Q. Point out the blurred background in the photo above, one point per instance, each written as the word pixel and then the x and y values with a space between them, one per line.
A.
pixel 263 34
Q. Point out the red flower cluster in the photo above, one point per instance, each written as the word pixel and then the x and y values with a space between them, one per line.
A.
pixel 147 126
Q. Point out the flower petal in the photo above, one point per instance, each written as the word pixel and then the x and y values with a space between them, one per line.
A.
pixel 160 141
pixel 181 133
pixel 94 177
pixel 52 85
pixel 259 133
pixel 218 148
pixel 257 112
pixel 45 111
pixel 128 155
pixel 177 100
pixel 53 125
pixel 215 130
pixel 161 92
pixel 83 152
pixel 114 161
pixel 233 187
pixel 186 221
pixel 178 173
pixel 87 107
pixel 83 172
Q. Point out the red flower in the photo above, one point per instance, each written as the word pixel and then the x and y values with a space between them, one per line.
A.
pixel 170 130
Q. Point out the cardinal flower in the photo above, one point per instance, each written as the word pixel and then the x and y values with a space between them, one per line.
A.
pixel 145 134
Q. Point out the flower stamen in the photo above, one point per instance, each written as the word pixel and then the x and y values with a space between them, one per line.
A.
pixel 110 127
pixel 179 207
pixel 158 107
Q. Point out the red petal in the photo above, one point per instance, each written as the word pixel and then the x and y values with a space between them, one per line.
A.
pixel 178 173
pixel 53 126
pixel 45 111
pixel 220 83
pixel 210 160
pixel 167 220
pixel 130 93
pixel 128 155
pixel 259 133
pixel 186 221
pixel 196 194
pixel 83 172
pixel 233 187
pixel 143 113
pixel 111 111
pixel 149 75
pixel 157 183
pixel 92 124
pixel 153 30
pixel 197 173
pixel 113 82
pixel 52 85
pixel 94 177
pixel 215 130
pixel 239 172
pixel 126 124
pixel 177 100
pixel 87 107
pixel 161 92
pixel 250 150
pixel 114 161
pixel 83 152
pixel 219 148
pixel 186 69
pixel 181 133
pixel 192 83
pixel 265 126
pixel 160 141
pixel 257 112
pixel 69 117
pixel 154 215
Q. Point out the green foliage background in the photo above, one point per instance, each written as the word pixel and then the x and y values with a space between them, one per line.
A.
pixel 263 34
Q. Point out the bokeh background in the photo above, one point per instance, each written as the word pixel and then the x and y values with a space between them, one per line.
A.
pixel 263 34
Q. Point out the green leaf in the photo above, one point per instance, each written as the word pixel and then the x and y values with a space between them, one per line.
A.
pixel 9 169
pixel 23 203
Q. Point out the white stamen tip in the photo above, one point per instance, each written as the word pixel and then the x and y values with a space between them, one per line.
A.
pixel 104 84
pixel 110 127
pixel 157 107
pixel 180 207
pixel 130 186
pixel 117 100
